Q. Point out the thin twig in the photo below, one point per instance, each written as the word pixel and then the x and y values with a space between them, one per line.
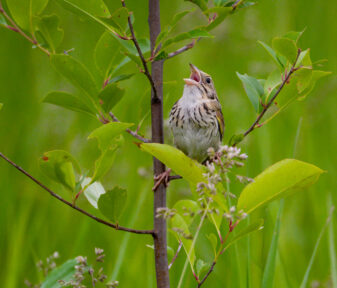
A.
pixel 17 29
pixel 206 276
pixel 182 49
pixel 133 133
pixel 266 107
pixel 53 194
pixel 175 255
pixel 141 56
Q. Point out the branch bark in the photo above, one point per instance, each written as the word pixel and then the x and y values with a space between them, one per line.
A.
pixel 160 241
pixel 58 197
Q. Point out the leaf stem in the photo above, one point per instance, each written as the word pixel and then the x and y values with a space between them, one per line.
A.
pixel 58 197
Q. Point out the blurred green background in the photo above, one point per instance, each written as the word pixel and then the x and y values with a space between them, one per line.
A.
pixel 33 225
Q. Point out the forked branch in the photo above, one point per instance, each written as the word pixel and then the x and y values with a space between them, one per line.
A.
pixel 58 197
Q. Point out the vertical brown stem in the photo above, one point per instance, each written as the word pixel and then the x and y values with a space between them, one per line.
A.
pixel 160 241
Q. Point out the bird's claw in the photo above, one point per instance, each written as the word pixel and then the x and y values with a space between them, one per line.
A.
pixel 162 178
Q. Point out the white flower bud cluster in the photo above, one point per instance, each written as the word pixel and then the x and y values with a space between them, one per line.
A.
pixel 165 212
pixel 234 215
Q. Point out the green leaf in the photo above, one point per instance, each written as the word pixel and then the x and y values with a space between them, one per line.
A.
pixel 92 191
pixel 104 163
pixel 236 139
pixel 107 53
pixel 23 11
pixel 273 81
pixel 276 181
pixel 65 272
pixel 193 34
pixel 221 12
pixel 256 226
pixel 68 101
pixel 2 20
pixel 121 77
pixel 49 28
pixel 1 105
pixel 178 223
pixel 253 88
pixel 120 19
pixel 112 203
pixel 202 4
pixel 59 166
pixel 144 45
pixel 110 96
pixel 189 207
pixel 279 60
pixel 293 35
pixel 88 7
pixel 221 2
pixel 269 269
pixel 176 160
pixel 201 266
pixel 76 73
pixel 285 47
pixel 214 242
pixel 107 133
pixel 162 55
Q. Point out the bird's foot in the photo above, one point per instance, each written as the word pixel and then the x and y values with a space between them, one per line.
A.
pixel 162 178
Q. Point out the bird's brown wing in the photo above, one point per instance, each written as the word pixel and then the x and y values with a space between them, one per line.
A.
pixel 216 106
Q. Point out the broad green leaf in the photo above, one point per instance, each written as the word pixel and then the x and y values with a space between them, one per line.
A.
pixel 59 166
pixel 107 53
pixel 193 34
pixel 274 182
pixel 293 35
pixel 120 19
pixel 121 77
pixel 112 203
pixel 68 101
pixel 235 139
pixel 64 272
pixel 214 242
pixel 273 81
pixel 104 163
pixel 23 11
pixel 129 47
pixel 221 2
pixel 280 61
pixel 107 133
pixel 88 7
pixel 176 160
pixel 187 209
pixel 76 73
pixel 269 269
pixel 286 48
pixel 178 223
pixel 201 266
pixel 2 20
pixel 110 96
pixel 92 9
pixel 49 28
pixel 253 88
pixel 301 57
pixel 162 55
pixel 202 4
pixel 305 281
pixel 92 191
pixel 256 226
pixel 221 12
pixel 304 76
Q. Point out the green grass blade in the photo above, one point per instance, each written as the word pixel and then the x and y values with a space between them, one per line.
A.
pixel 312 258
pixel 269 270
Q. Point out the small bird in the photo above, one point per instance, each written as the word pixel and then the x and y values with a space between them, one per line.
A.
pixel 196 119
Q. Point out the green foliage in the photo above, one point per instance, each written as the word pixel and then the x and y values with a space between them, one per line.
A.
pixel 65 272
pixel 187 209
pixel 24 11
pixel 59 166
pixel 110 96
pixel 285 47
pixel 254 90
pixel 202 4
pixel 76 73
pixel 68 101
pixel 222 13
pixel 1 105
pixel 176 160
pixel 181 231
pixel 214 242
pixel 112 203
pixel 201 267
pixel 276 182
pixel 92 191
pixel 48 26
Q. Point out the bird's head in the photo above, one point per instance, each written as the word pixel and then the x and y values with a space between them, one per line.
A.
pixel 200 83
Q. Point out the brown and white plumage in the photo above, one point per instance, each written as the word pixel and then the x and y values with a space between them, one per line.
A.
pixel 196 119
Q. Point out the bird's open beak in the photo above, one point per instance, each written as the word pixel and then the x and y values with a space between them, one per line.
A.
pixel 194 77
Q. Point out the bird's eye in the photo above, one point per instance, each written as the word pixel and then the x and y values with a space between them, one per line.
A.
pixel 208 80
